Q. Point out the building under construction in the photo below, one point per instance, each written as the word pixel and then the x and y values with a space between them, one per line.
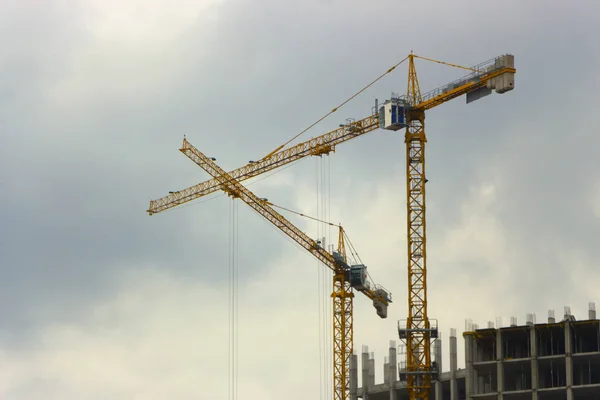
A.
pixel 553 360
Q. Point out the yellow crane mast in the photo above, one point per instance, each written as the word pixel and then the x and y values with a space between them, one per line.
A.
pixel 346 277
pixel 409 112
pixel 397 113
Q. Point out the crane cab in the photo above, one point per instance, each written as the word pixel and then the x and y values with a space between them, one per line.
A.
pixel 358 277
pixel 391 116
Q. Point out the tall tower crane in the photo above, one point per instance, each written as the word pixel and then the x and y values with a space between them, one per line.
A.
pixel 346 277
pixel 399 112
pixel 409 112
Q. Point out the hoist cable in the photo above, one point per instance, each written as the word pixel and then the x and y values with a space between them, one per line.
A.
pixel 303 215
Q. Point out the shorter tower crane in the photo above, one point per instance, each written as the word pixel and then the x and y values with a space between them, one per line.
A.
pixel 346 277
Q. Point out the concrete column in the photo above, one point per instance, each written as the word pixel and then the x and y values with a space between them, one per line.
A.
pixel 438 360
pixel 453 366
pixel 569 359
pixel 353 376
pixel 393 370
pixel 372 370
pixel 469 381
pixel 534 363
pixel 365 373
pixel 475 377
pixel 499 364
pixel 386 371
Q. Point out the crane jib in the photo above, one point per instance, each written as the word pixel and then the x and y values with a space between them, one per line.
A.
pixel 317 146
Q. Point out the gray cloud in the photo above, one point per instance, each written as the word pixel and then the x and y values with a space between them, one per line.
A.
pixel 92 123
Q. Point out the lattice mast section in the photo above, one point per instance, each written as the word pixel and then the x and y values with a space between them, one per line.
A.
pixel 418 342
pixel 343 330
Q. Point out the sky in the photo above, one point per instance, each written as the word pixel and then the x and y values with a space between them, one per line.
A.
pixel 98 300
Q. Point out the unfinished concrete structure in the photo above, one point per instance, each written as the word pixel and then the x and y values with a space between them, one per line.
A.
pixel 554 360
pixel 450 385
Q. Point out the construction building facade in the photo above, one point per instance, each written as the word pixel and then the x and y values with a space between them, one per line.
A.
pixel 554 360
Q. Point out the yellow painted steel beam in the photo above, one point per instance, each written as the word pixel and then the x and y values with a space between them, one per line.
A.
pixel 343 335
pixel 232 187
pixel 418 345
pixel 317 146
pixel 343 329
pixel 435 100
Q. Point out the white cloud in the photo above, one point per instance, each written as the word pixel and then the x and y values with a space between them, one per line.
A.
pixel 479 236
pixel 154 20
pixel 162 336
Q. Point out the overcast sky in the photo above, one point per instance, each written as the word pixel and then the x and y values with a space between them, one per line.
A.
pixel 98 300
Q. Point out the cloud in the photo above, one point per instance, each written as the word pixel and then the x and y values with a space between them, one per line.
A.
pixel 161 335
pixel 95 99
pixel 594 201
pixel 144 20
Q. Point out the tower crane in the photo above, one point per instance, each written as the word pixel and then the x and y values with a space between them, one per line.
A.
pixel 399 112
pixel 409 112
pixel 346 277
